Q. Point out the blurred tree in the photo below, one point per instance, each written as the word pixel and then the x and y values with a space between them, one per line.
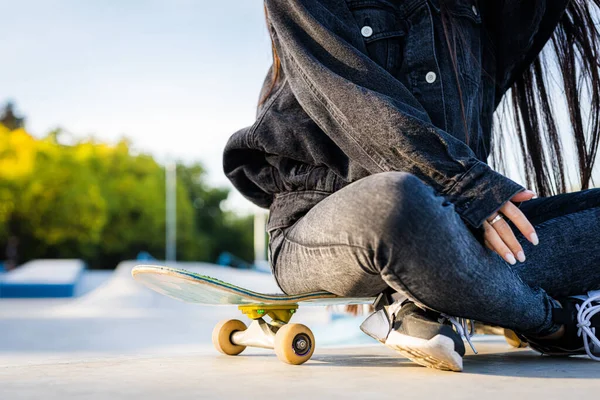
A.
pixel 134 189
pixel 17 155
pixel 61 211
pixel 52 205
pixel 237 236
pixel 9 119
pixel 104 204
pixel 215 230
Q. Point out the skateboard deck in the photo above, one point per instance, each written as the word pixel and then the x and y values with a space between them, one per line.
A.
pixel 195 288
pixel 293 343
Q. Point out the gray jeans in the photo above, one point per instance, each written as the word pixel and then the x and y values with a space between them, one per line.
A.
pixel 392 230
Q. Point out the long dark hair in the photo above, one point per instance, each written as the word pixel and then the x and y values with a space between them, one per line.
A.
pixel 276 65
pixel 567 71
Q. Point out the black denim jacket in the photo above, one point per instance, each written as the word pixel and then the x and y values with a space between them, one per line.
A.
pixel 368 86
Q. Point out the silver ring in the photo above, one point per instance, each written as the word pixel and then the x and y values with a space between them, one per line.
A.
pixel 496 219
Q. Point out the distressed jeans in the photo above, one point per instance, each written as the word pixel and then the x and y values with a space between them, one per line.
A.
pixel 392 230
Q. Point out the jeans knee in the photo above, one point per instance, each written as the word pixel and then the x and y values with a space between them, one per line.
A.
pixel 398 216
pixel 401 195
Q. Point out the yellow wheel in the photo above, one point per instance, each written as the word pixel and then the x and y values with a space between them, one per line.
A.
pixel 294 344
pixel 513 339
pixel 221 336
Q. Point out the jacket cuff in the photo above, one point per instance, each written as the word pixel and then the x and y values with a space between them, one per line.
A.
pixel 480 192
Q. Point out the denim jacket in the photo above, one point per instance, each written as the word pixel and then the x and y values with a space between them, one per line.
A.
pixel 368 86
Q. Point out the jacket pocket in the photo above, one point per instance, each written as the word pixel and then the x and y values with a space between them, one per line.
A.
pixel 464 28
pixel 293 174
pixel 382 31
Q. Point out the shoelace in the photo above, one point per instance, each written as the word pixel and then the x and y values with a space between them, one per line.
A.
pixel 585 312
pixel 465 328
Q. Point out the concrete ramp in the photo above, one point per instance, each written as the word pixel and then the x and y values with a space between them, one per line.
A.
pixel 122 295
pixel 42 278
pixel 123 316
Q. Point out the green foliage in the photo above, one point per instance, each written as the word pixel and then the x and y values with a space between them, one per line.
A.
pixel 60 205
pixel 104 204
pixel 9 119
pixel 216 231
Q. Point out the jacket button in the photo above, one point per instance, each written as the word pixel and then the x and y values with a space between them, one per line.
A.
pixel 474 10
pixel 366 31
pixel 430 77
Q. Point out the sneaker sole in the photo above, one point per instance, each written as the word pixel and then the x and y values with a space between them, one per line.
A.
pixel 437 352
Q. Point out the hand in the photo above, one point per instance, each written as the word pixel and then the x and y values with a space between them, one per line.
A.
pixel 499 236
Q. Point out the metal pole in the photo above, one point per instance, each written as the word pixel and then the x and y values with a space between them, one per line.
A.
pixel 260 248
pixel 171 211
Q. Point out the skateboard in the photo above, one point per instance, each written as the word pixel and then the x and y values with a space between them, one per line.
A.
pixel 293 343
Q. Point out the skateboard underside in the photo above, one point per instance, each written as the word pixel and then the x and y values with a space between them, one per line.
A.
pixel 195 288
pixel 292 343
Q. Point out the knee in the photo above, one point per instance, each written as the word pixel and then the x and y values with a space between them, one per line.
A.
pixel 401 194
pixel 398 212
pixel 402 208
pixel 399 180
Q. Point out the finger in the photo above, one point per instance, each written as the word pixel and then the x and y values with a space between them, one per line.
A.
pixel 508 237
pixel 517 217
pixel 488 245
pixel 497 244
pixel 523 196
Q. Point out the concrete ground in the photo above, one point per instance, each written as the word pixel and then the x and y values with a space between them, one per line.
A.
pixel 361 372
pixel 122 341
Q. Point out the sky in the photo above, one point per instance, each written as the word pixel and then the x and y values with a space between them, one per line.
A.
pixel 176 77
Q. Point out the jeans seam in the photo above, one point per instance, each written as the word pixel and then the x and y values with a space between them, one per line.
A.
pixel 547 222
pixel 315 247
pixel 398 280
pixel 325 245
pixel 291 192
pixel 273 263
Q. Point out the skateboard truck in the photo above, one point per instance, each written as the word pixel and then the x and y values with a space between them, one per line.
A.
pixel 260 333
pixel 280 315
pixel 293 343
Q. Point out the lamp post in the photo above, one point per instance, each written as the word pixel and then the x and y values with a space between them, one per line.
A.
pixel 260 245
pixel 171 211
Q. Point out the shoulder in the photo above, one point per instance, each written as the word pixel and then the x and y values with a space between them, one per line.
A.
pixel 519 30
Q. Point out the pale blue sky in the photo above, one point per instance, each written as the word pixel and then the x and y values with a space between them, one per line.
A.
pixel 178 77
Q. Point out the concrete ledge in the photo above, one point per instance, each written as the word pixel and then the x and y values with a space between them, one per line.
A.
pixel 42 278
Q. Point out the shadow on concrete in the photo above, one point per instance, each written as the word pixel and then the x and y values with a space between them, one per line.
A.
pixel 354 360
pixel 522 364
pixel 529 364
pixel 360 360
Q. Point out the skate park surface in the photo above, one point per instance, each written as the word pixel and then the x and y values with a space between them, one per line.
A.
pixel 121 340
